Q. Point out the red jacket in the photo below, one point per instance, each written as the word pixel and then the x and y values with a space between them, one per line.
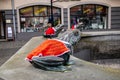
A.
pixel 50 31
pixel 73 27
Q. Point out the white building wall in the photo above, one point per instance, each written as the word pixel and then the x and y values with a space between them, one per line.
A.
pixel 6 4
pixel 22 3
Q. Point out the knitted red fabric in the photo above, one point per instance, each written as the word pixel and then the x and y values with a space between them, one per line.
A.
pixel 49 47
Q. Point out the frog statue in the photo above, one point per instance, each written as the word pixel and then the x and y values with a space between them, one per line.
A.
pixel 54 54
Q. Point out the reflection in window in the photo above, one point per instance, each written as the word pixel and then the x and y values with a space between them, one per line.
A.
pixel 40 11
pixel 56 15
pixel 56 11
pixel 35 18
pixel 26 11
pixel 101 16
pixel 88 10
pixel 89 16
pixel 76 11
pixel 33 24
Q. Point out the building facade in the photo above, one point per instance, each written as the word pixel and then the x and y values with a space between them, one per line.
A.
pixel 33 15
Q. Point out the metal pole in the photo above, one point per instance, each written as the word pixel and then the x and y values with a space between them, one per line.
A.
pixel 52 19
pixel 14 22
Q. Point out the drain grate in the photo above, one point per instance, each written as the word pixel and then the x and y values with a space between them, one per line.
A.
pixel 1 79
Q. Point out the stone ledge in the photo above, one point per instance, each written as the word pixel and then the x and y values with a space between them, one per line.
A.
pixel 16 68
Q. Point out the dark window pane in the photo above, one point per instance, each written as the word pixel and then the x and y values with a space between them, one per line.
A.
pixel 76 11
pixel 88 10
pixel 56 11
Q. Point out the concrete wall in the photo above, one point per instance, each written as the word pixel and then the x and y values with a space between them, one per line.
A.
pixel 99 47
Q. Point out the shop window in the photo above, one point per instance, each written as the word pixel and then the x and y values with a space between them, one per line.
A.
pixel 56 11
pixel 26 11
pixel 56 15
pixel 35 18
pixel 40 11
pixel 89 16
pixel 101 16
pixel 34 24
pixel 77 10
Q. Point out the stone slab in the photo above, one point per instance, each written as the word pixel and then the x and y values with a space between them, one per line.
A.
pixel 16 68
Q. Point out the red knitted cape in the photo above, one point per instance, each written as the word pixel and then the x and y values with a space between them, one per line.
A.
pixel 50 47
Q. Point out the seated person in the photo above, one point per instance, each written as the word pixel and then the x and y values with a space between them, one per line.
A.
pixel 50 31
pixel 51 47
pixel 74 26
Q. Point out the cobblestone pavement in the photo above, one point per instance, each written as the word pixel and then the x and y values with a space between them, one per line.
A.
pixel 8 48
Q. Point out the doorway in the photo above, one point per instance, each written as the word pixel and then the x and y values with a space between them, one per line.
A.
pixel 2 25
